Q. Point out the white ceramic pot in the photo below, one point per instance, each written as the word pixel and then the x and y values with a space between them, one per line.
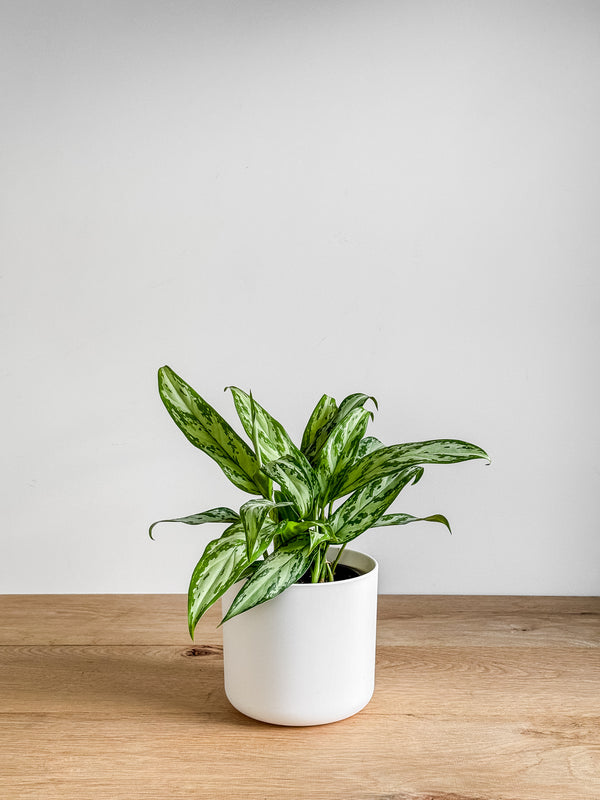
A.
pixel 307 656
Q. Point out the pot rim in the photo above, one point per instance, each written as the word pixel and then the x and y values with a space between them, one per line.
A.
pixel 347 581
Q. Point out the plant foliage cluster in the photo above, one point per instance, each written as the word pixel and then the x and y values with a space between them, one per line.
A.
pixel 297 510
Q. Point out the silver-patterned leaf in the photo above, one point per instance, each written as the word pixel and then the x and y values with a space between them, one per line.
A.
pixel 322 535
pixel 366 505
pixel 273 440
pixel 404 519
pixel 397 457
pixel 318 531
pixel 223 562
pixel 297 480
pixel 253 515
pixel 279 570
pixel 367 445
pixel 347 405
pixel 221 514
pixel 284 512
pixel 317 427
pixel 353 401
pixel 206 429
pixel 339 451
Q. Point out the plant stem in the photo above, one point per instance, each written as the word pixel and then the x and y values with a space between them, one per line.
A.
pixel 325 567
pixel 316 567
pixel 337 558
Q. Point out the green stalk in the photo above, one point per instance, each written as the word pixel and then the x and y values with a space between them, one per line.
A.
pixel 316 567
pixel 339 555
pixel 325 568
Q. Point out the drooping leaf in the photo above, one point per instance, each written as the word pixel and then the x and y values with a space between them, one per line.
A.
pixel 353 401
pixel 397 457
pixel 206 429
pixel 366 505
pixel 317 427
pixel 253 515
pixel 339 450
pixel 297 480
pixel 273 440
pixel 223 562
pixel 221 514
pixel 279 570
pixel 404 519
pixel 419 472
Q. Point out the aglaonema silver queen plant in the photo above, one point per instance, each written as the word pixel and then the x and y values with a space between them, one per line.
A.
pixel 335 486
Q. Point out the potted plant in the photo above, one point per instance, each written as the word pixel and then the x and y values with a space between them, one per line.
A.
pixel 299 606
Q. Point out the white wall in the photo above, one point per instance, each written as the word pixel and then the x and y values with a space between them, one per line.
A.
pixel 399 198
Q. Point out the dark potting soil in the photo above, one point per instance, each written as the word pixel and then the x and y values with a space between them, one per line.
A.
pixel 342 573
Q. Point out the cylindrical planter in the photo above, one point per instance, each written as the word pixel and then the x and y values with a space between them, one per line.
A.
pixel 307 656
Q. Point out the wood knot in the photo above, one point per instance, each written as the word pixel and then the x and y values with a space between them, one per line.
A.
pixel 204 650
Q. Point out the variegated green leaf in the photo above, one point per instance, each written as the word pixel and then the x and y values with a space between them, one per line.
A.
pixel 339 450
pixel 297 481
pixel 249 571
pixel 222 564
pixel 347 405
pixel 358 513
pixel 273 440
pixel 279 570
pixel 322 535
pixel 317 427
pixel 353 401
pixel 206 429
pixel 289 530
pixel 367 445
pixel 221 514
pixel 397 457
pixel 253 515
pixel 404 519
pixel 284 512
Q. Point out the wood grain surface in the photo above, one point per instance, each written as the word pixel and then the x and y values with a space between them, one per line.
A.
pixel 477 698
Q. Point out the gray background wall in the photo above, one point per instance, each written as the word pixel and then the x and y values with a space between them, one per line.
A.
pixel 399 198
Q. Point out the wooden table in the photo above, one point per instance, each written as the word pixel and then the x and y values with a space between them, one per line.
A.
pixel 477 698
